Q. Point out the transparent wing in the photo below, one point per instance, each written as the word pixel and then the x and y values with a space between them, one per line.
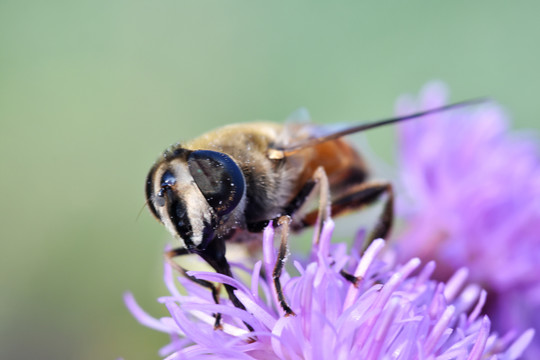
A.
pixel 299 128
pixel 299 116
pixel 296 127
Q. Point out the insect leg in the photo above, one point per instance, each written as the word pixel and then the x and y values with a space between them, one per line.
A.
pixel 319 182
pixel 359 196
pixel 283 223
pixel 214 255
pixel 350 277
pixel 170 255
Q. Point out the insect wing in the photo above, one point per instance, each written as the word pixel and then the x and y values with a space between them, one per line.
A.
pixel 299 129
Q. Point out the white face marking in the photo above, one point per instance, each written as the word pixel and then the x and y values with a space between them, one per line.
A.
pixel 198 210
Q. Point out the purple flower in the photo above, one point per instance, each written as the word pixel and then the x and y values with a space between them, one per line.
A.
pixel 473 200
pixel 393 312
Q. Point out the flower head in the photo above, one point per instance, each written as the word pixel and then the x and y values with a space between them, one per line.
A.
pixel 474 201
pixel 391 312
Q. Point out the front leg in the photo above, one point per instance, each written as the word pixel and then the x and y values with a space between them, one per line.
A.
pixel 214 255
pixel 170 255
pixel 283 222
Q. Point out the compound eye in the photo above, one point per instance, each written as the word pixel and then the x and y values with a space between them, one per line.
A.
pixel 219 179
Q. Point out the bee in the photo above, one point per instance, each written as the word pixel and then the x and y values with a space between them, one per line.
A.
pixel 228 184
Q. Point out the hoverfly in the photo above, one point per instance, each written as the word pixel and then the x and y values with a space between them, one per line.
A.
pixel 228 184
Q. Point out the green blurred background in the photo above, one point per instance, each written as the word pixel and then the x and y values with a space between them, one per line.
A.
pixel 92 91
